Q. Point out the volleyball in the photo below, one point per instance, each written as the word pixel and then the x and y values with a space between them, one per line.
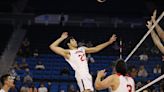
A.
pixel 101 1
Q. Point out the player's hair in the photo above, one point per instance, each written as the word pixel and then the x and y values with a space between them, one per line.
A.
pixel 4 78
pixel 121 67
pixel 67 40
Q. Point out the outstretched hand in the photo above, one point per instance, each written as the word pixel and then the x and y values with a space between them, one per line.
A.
pixel 101 73
pixel 153 18
pixel 64 35
pixel 113 38
pixel 149 24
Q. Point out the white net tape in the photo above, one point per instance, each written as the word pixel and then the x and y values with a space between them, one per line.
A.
pixel 144 37
pixel 151 83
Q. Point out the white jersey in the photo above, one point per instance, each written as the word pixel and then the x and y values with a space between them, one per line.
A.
pixel 126 84
pixel 78 62
pixel 2 90
pixel 42 89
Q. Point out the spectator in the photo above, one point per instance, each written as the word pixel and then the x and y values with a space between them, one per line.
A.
pixel 157 69
pixel 154 51
pixel 143 57
pixel 27 70
pixel 162 58
pixel 162 87
pixel 36 53
pixel 16 66
pixel 24 64
pixel 26 47
pixel 32 88
pixel 139 85
pixel 149 89
pixel 142 71
pixel 89 44
pixel 40 66
pixel 12 72
pixel 20 52
pixel 64 71
pixel 61 91
pixel 26 43
pixel 82 43
pixel 42 88
pixel 90 58
pixel 24 88
pixel 133 72
pixel 162 70
pixel 49 86
pixel 146 90
pixel 28 79
pixel 71 88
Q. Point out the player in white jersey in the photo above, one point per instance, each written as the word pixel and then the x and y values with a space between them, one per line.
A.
pixel 7 82
pixel 79 63
pixel 76 57
pixel 118 82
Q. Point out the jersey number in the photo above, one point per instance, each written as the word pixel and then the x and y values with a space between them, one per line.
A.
pixel 82 57
pixel 129 88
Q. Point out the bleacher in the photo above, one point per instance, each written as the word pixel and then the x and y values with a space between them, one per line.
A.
pixel 54 64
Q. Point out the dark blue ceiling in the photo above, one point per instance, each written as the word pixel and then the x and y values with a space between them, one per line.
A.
pixel 110 7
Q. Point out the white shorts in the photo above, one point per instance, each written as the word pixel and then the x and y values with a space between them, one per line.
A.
pixel 85 83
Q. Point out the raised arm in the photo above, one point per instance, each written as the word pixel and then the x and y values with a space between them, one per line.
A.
pixel 155 38
pixel 157 41
pixel 159 30
pixel 55 45
pixel 101 46
pixel 103 84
